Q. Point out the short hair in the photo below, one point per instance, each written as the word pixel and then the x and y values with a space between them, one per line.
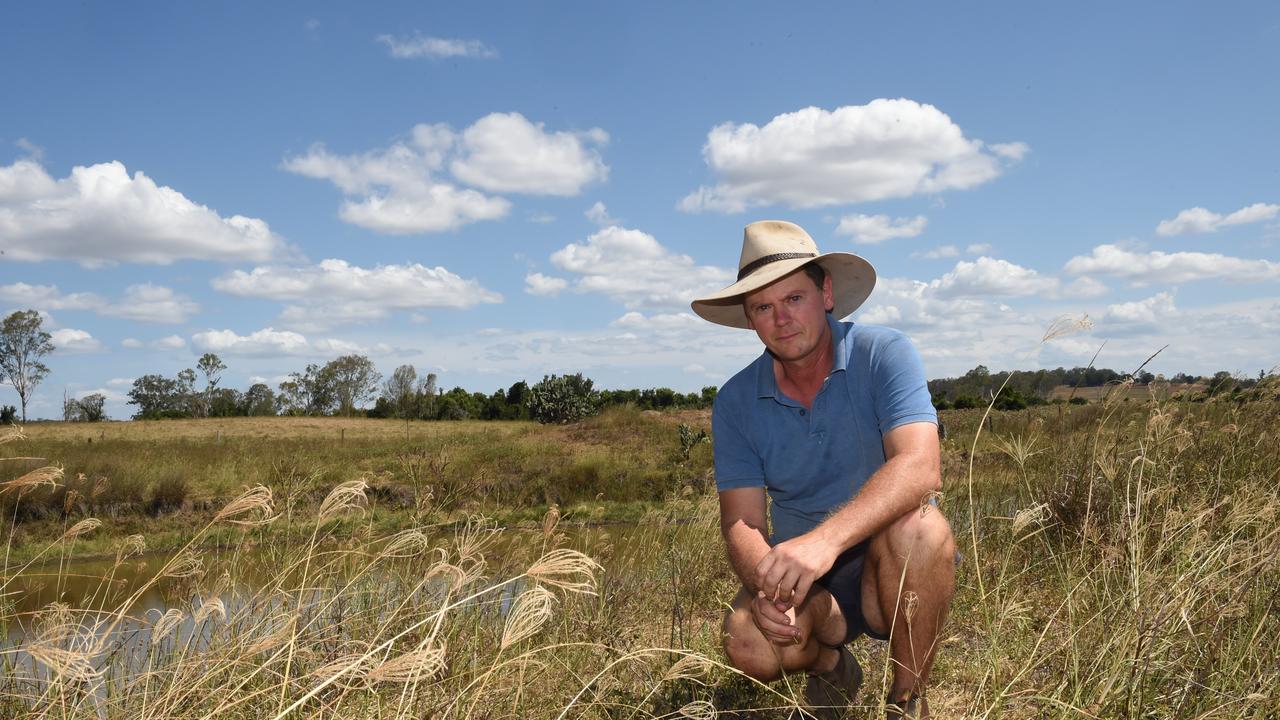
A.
pixel 816 273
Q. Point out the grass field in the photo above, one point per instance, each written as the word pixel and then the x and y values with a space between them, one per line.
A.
pixel 1120 562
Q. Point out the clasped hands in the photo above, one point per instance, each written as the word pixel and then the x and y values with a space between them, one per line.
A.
pixel 784 578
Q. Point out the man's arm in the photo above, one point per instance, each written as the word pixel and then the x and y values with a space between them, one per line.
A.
pixel 911 471
pixel 743 524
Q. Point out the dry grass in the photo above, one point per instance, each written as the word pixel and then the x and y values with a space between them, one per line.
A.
pixel 1125 567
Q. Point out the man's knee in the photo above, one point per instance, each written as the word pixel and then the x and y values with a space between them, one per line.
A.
pixel 751 652
pixel 747 649
pixel 916 536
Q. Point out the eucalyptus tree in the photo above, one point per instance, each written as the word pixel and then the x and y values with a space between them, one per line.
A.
pixel 23 343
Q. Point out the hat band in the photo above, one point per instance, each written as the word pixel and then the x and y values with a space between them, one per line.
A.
pixel 761 262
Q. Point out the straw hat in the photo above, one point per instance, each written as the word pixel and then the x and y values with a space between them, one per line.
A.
pixel 772 249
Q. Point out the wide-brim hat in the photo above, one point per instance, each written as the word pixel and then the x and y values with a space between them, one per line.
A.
pixel 772 249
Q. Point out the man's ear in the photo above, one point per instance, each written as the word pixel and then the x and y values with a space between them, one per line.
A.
pixel 828 296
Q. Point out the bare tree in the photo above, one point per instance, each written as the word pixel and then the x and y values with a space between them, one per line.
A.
pixel 23 342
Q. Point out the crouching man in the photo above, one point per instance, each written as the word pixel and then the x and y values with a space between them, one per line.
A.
pixel 834 424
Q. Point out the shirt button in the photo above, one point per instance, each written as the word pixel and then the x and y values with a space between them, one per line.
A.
pixel 802 411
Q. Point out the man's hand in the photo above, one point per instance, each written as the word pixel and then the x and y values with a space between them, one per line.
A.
pixel 775 620
pixel 788 572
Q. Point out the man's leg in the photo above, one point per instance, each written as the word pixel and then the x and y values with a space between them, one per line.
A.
pixel 908 581
pixel 821 630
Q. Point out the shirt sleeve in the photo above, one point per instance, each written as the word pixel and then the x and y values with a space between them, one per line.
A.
pixel 900 389
pixel 736 461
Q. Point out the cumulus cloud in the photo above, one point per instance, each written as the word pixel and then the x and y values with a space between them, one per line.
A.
pixel 395 190
pixel 144 302
pixel 856 153
pixel 401 190
pixel 419 46
pixel 1085 287
pixel 1148 311
pixel 938 253
pixel 872 229
pixel 1142 268
pixel 334 291
pixel 172 342
pixel 539 284
pixel 268 342
pixel 992 277
pixel 505 153
pixel 1200 220
pixel 70 340
pixel 152 303
pixel 599 215
pixel 99 215
pixel 131 343
pixel 633 268
pixel 47 297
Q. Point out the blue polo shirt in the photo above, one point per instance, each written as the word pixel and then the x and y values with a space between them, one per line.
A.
pixel 811 462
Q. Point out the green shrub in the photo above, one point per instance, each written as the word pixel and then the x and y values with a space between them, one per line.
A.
pixel 563 399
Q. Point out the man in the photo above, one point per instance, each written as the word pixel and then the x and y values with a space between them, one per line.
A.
pixel 834 424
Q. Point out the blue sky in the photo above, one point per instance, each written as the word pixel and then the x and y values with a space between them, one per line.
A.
pixel 498 191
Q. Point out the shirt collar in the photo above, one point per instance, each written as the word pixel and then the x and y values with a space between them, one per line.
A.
pixel 767 384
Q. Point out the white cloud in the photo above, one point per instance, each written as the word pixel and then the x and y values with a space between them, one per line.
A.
pixel 978 249
pixel 504 152
pixel 334 291
pixel 394 190
pixel 1085 287
pixel 70 340
pixel 1200 220
pixel 856 153
pixel 599 215
pixel 1143 268
pixel 268 342
pixel 940 252
pixel 665 322
pixel 542 218
pixel 1148 312
pixel 152 303
pixel 1013 151
pixel 539 284
pixel 47 297
pixel 399 190
pixel 144 302
pixel 633 268
pixel 434 47
pixel 120 382
pixel 99 215
pixel 172 342
pixel 131 343
pixel 991 277
pixel 872 229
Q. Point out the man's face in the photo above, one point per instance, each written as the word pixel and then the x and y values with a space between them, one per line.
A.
pixel 790 315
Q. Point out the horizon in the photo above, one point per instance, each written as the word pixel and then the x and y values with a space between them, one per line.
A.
pixel 499 192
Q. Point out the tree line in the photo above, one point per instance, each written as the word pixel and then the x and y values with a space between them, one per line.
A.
pixel 345 385
pixel 1024 388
